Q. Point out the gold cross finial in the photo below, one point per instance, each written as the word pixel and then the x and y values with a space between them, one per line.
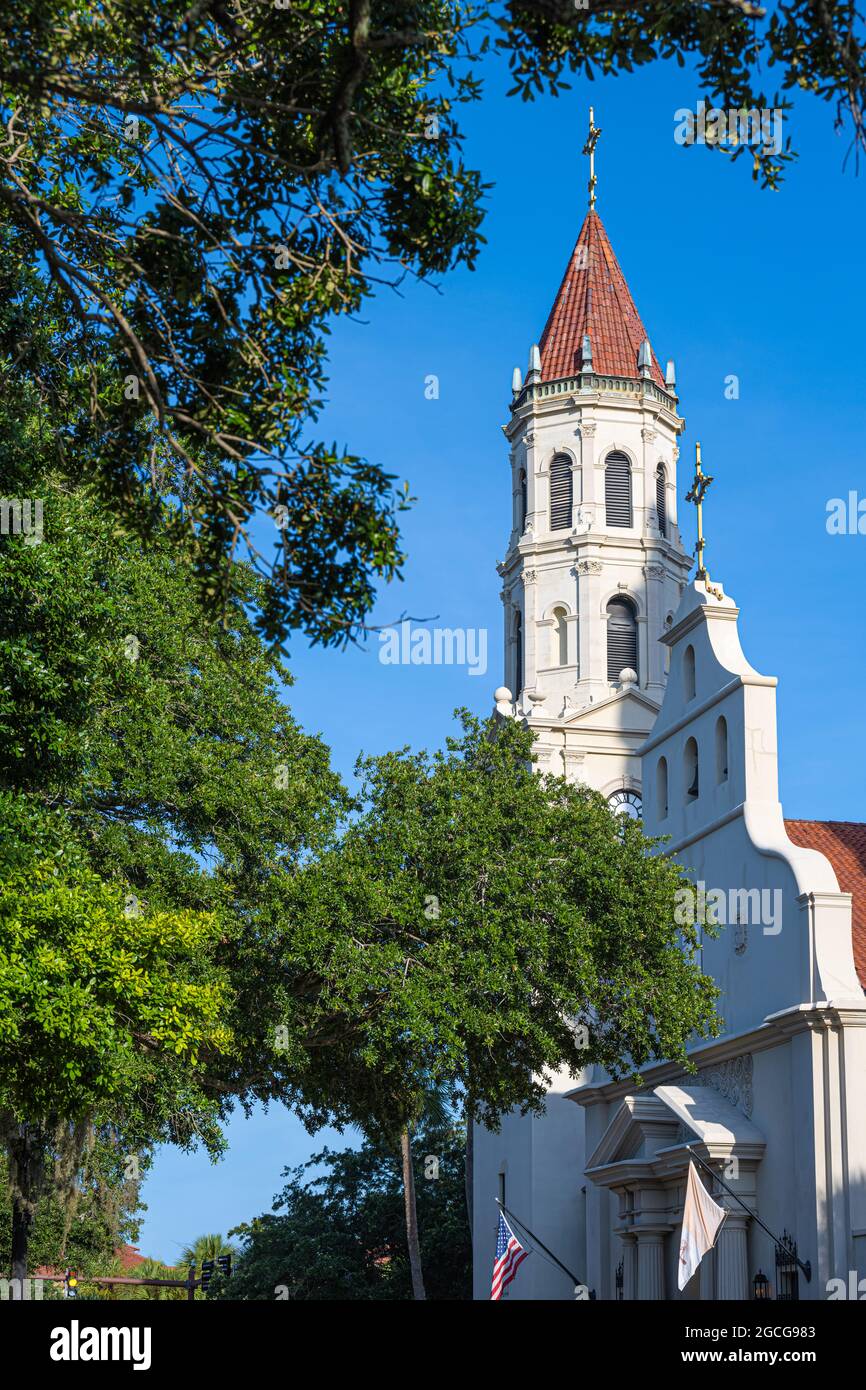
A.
pixel 589 148
pixel 698 493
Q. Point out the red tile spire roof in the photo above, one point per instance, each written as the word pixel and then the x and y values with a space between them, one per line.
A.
pixel 595 299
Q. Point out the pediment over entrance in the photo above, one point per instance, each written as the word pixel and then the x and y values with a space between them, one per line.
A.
pixel 642 1125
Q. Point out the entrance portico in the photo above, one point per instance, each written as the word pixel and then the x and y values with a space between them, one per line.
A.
pixel 642 1160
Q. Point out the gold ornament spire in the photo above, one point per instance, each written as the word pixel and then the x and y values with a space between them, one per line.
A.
pixel 699 490
pixel 589 148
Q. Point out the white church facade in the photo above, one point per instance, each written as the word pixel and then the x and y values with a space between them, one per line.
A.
pixel 635 683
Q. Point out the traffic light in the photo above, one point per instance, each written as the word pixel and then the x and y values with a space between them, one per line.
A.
pixel 206 1274
pixel 70 1281
pixel 225 1265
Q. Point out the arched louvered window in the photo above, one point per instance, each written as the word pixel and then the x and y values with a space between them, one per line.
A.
pixel 661 500
pixel 518 656
pixel 522 502
pixel 621 638
pixel 617 490
pixel 560 637
pixel 560 493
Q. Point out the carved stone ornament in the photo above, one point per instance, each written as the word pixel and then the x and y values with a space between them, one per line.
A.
pixel 733 1080
pixel 654 571
pixel 587 429
pixel 648 434
pixel 589 567
pixel 530 576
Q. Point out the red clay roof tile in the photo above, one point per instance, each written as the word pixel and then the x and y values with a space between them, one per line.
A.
pixel 844 844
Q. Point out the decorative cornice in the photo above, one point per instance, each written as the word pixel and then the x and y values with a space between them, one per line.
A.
pixel 732 1078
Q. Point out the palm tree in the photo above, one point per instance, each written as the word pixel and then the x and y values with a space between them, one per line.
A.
pixel 208 1247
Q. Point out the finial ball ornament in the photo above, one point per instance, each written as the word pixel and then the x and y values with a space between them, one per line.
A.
pixel 502 695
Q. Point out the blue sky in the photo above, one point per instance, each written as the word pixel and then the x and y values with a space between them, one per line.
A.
pixel 728 280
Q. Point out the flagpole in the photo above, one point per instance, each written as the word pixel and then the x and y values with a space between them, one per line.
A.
pixel 806 1268
pixel 573 1277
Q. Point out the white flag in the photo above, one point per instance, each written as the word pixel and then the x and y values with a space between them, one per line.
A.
pixel 702 1218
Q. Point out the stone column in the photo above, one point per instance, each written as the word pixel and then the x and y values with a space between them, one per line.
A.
pixel 576 487
pixel 650 1265
pixel 589 489
pixel 629 1267
pixel 655 668
pixel 589 585
pixel 707 1276
pixel 532 486
pixel 732 1269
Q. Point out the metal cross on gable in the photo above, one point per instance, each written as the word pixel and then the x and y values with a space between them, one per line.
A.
pixel 699 490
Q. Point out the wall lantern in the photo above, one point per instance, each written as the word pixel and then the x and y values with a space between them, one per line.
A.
pixel 761 1286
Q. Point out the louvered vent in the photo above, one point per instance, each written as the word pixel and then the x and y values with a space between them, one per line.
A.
pixel 661 500
pixel 560 494
pixel 621 638
pixel 617 490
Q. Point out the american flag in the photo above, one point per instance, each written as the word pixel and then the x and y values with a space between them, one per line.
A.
pixel 509 1253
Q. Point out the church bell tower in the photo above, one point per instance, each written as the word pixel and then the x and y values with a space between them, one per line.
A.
pixel 595 565
pixel 591 579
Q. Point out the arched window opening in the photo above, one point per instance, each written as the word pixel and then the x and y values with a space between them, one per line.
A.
pixel 518 656
pixel 621 638
pixel 721 749
pixel 689 686
pixel 661 500
pixel 522 502
pixel 559 655
pixel 690 769
pixel 662 788
pixel 617 490
pixel 560 493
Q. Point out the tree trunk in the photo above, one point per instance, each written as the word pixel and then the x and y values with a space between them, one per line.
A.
pixel 411 1217
pixel 26 1157
pixel 22 1222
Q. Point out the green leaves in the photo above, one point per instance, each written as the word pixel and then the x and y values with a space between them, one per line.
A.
pixel 188 210
pixel 86 988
